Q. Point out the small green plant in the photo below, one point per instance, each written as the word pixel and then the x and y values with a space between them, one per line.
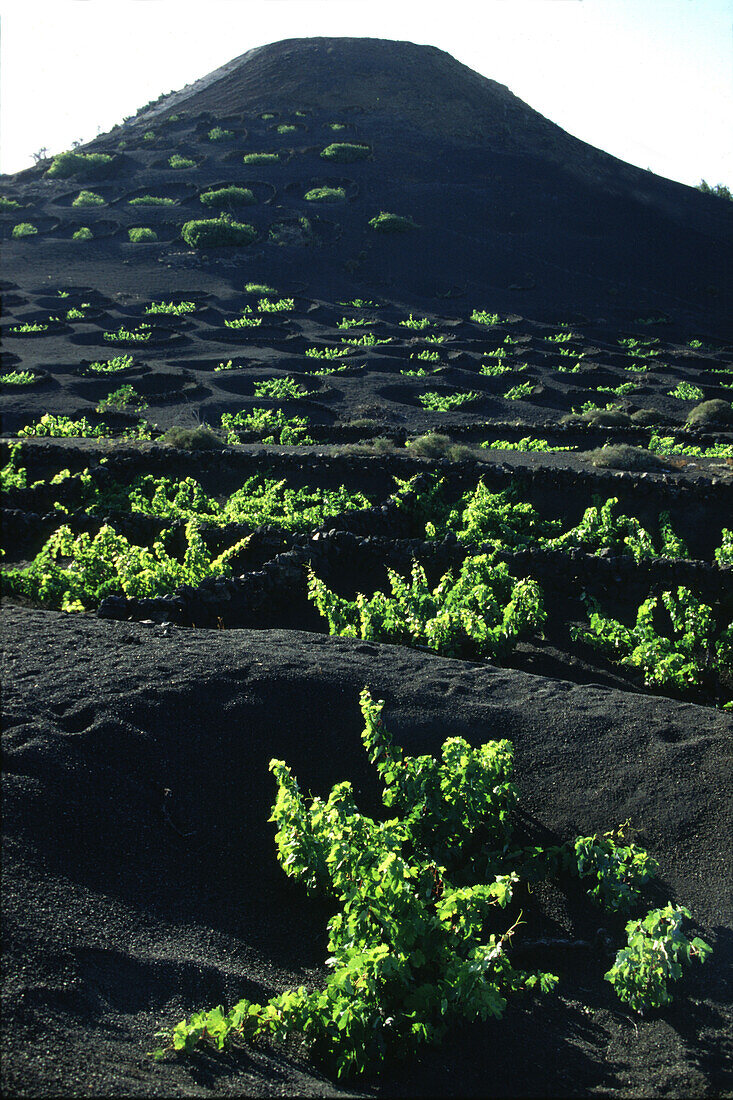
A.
pixel 260 158
pixel 286 128
pixel 228 196
pixel 368 340
pixel 682 659
pixel 243 322
pixel 151 200
pixel 493 370
pixel 325 194
pixel 259 288
pixel 655 954
pixel 13 476
pixel 217 233
pixel 111 366
pixel 666 445
pixel 63 426
pixel 124 399
pixel 622 388
pixel 88 198
pixel 229 365
pixel 7 205
pixel 29 328
pixel 84 233
pixel 281 388
pixel 18 378
pixel 416 323
pixel 685 391
pixel 76 164
pixel 724 553
pixel 149 135
pixel 427 355
pixel 177 161
pixel 326 353
pixel 436 401
pixel 140 335
pixel 385 222
pixel 142 234
pixel 561 337
pixel 528 443
pixel 352 322
pixel 217 134
pixel 345 152
pixel 177 309
pixel 23 229
pixel 481 613
pixel 517 393
pixel 281 305
pixel 482 317
pixel 271 425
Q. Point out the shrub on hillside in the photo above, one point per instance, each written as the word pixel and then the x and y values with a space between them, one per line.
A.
pixel 325 194
pixel 24 229
pixel 391 223
pixel 84 233
pixel 88 198
pixel 710 413
pixel 620 456
pixel 217 232
pixel 228 196
pixel 76 164
pixel 141 234
pixel 193 439
pixel 345 152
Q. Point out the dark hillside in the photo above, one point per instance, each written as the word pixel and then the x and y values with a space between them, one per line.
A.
pixel 459 392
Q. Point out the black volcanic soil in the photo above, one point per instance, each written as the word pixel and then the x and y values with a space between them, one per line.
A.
pixel 139 874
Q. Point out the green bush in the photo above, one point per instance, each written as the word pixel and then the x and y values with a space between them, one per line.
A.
pixel 719 190
pixel 23 229
pixel 217 134
pixel 260 158
pixel 655 952
pixel 69 164
pixel 152 200
pixel 325 194
pixel 391 223
pixel 481 613
pixel 142 233
pixel 193 439
pixel 177 161
pixel 228 196
pixel 694 648
pixel 217 233
pixel 710 413
pixel 88 198
pixel 346 152
pixel 621 456
pixel 6 204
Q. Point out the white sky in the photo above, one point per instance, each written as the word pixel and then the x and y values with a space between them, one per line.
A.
pixel 650 81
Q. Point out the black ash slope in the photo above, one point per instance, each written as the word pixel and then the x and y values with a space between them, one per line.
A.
pixel 126 907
